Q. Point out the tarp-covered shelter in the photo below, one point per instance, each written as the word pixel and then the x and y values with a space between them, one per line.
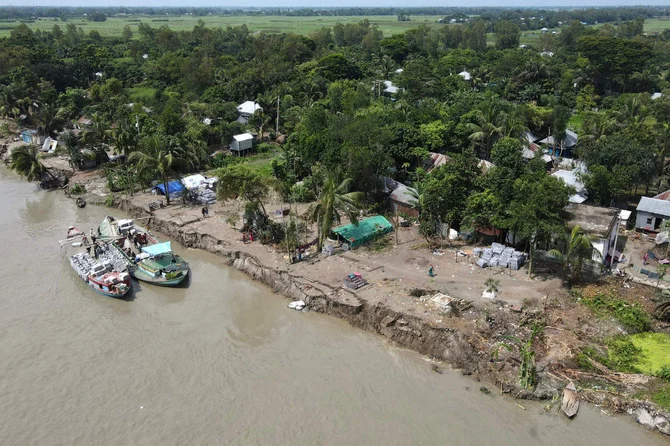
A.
pixel 158 249
pixel 193 181
pixel 175 187
pixel 366 230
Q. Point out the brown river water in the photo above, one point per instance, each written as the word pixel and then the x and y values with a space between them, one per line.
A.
pixel 223 361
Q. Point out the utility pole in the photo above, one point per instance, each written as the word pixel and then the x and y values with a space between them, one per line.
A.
pixel 277 129
pixel 616 237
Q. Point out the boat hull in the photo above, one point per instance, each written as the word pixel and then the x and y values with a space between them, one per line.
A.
pixel 120 295
pixel 160 281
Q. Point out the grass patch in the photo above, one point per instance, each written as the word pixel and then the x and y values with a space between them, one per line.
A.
pixel 631 316
pixel 662 398
pixel 575 122
pixel 655 348
pixel 141 94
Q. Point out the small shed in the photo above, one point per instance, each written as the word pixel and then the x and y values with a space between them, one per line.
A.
pixel 650 214
pixel 241 143
pixel 364 231
pixel 402 197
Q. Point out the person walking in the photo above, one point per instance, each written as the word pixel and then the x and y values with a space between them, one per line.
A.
pixel 431 271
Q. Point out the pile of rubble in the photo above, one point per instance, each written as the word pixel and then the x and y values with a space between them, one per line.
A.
pixel 499 255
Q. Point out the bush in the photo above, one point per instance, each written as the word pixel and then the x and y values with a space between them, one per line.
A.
pixel 623 355
pixel 302 194
pixel 664 373
pixel 77 189
pixel 662 398
pixel 109 201
pixel 222 160
pixel 264 148
pixel 631 316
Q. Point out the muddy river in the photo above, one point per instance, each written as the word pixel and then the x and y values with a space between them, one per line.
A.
pixel 222 361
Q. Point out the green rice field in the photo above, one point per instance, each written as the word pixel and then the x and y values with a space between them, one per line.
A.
pixel 273 24
pixel 388 24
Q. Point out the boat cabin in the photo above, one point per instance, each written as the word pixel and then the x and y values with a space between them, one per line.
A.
pixel 125 226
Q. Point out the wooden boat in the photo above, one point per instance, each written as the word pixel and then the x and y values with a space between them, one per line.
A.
pixel 147 259
pixel 570 403
pixel 101 275
pixel 159 265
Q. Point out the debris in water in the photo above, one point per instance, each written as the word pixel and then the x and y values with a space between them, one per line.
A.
pixel 297 305
pixel 570 404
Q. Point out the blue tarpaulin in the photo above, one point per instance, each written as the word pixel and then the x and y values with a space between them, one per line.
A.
pixel 158 248
pixel 174 186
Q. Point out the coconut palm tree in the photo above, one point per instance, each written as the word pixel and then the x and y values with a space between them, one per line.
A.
pixel 160 156
pixel 25 162
pixel 574 250
pixel 50 119
pixel 97 135
pixel 486 127
pixel 334 198
pixel 72 145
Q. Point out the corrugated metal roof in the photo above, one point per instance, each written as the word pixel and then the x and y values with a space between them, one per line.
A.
pixel 404 194
pixel 243 137
pixel 248 107
pixel 570 178
pixel 654 206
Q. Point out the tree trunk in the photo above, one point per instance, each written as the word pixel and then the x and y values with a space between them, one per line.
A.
pixel 530 261
pixel 167 191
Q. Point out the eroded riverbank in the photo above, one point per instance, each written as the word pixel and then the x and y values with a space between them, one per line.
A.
pixel 465 340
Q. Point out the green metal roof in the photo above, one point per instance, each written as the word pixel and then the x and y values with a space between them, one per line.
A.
pixel 366 230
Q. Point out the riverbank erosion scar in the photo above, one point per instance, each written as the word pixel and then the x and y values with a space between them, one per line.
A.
pixel 403 329
pixel 468 339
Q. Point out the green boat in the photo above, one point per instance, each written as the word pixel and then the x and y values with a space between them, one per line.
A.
pixel 147 259
pixel 159 265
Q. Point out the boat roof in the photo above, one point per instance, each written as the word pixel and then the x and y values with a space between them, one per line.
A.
pixel 158 248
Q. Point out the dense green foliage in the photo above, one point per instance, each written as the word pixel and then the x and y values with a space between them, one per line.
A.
pixel 166 100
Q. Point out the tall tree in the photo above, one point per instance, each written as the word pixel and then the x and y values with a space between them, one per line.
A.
pixel 242 180
pixel 334 200
pixel 25 162
pixel 158 157
pixel 573 251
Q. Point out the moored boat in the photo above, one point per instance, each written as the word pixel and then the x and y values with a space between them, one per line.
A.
pixel 101 275
pixel 147 259
pixel 159 265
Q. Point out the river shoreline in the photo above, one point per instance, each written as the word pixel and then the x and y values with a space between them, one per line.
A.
pixel 458 340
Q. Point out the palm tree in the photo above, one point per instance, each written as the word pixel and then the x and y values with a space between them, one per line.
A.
pixel 159 156
pixel 596 126
pixel 663 138
pixel 51 119
pixel 576 248
pixel 97 136
pixel 71 142
pixel 334 198
pixel 486 127
pixel 25 162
